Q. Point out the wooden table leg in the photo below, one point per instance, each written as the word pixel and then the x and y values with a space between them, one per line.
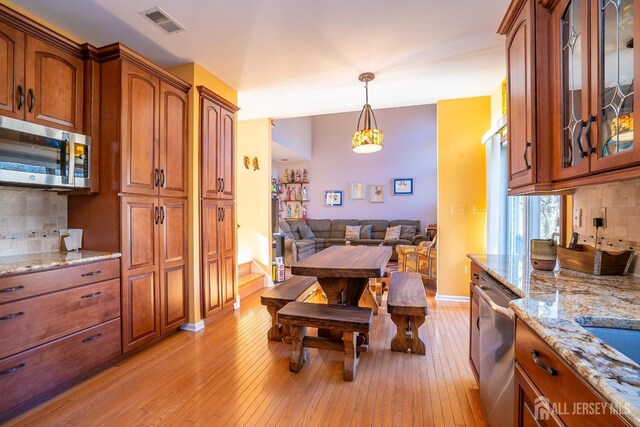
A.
pixel 341 290
pixel 350 356
pixel 299 354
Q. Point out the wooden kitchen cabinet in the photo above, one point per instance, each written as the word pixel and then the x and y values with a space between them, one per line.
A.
pixel 217 140
pixel 218 255
pixel 527 101
pixel 40 82
pixel 172 160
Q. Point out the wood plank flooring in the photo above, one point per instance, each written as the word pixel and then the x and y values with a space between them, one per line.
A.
pixel 229 374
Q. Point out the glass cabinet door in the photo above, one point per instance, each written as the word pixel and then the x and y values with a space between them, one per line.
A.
pixel 615 87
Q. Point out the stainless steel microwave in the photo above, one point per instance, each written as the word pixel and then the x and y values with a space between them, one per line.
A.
pixel 40 156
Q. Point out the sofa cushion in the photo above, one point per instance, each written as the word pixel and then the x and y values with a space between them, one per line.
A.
pixel 320 227
pixel 393 233
pixel 286 229
pixel 352 232
pixel 304 243
pixel 378 227
pixel 365 231
pixel 405 222
pixel 367 242
pixel 306 233
pixel 296 226
pixel 338 227
pixel 407 232
pixel 319 243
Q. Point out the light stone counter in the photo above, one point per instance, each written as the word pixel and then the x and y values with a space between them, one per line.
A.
pixel 17 264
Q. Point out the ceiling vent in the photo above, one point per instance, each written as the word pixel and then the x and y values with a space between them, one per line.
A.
pixel 160 18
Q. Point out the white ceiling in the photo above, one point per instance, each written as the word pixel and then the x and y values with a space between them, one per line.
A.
pixel 289 58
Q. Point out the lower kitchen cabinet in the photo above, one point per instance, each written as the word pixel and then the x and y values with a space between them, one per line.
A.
pixel 218 255
pixel 154 282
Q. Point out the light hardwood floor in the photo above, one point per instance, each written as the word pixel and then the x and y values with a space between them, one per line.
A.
pixel 229 374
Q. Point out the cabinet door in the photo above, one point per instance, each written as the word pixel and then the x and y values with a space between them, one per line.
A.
pixel 173 141
pixel 616 71
pixel 521 119
pixel 530 409
pixel 227 235
pixel 211 269
pixel 12 90
pixel 571 89
pixel 209 148
pixel 55 86
pixel 226 153
pixel 140 282
pixel 140 112
pixel 173 263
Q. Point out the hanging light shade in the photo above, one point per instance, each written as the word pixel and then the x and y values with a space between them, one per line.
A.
pixel 367 138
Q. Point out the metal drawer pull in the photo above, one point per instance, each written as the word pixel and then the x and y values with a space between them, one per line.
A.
pixel 539 362
pixel 12 370
pixel 12 289
pixel 33 100
pixel 92 273
pixel 95 337
pixel 95 294
pixel 12 316
pixel 475 276
pixel 20 97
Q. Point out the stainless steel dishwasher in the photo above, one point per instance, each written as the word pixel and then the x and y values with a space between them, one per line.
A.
pixel 497 330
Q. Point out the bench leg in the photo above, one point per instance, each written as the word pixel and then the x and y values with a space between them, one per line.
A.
pixel 368 300
pixel 417 345
pixel 401 342
pixel 299 354
pixel 350 355
pixel 277 332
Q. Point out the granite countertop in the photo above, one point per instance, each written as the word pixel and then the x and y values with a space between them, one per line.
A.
pixel 17 264
pixel 556 303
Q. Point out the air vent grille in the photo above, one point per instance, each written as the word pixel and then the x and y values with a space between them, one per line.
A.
pixel 162 19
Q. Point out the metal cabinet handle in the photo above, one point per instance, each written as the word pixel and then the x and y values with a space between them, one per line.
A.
pixel 20 97
pixel 526 150
pixel 587 133
pixel 156 175
pixel 540 363
pixel 222 186
pixel 219 214
pixel 95 294
pixel 478 323
pixel 162 214
pixel 224 214
pixel 12 370
pixel 579 140
pixel 156 215
pixel 475 276
pixel 12 316
pixel 91 273
pixel 32 102
pixel 95 337
pixel 11 289
pixel 162 179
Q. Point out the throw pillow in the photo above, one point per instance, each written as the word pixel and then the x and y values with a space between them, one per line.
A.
pixel 307 233
pixel 407 232
pixel 393 233
pixel 352 232
pixel 365 231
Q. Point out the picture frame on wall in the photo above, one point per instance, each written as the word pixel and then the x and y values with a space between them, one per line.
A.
pixel 376 193
pixel 358 190
pixel 333 198
pixel 403 186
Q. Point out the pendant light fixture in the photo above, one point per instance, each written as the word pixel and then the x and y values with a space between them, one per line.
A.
pixel 368 138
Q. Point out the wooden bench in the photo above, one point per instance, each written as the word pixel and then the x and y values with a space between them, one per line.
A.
pixel 296 288
pixel 407 304
pixel 350 321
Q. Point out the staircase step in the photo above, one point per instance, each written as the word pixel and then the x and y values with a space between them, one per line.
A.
pixel 244 269
pixel 250 283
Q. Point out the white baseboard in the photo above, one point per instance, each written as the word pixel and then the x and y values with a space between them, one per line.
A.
pixel 236 305
pixel 193 327
pixel 451 298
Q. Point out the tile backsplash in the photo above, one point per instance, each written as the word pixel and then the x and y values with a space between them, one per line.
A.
pixel 621 201
pixel 30 220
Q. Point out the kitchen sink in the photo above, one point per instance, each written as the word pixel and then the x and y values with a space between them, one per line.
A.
pixel 626 341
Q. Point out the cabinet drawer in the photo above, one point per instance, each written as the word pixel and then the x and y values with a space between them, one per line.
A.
pixel 34 321
pixel 475 273
pixel 565 388
pixel 31 284
pixel 35 371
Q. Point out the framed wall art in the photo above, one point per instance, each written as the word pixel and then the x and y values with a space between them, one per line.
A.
pixel 403 186
pixel 358 190
pixel 333 198
pixel 376 193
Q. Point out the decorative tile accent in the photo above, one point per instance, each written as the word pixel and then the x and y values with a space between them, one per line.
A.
pixel 30 220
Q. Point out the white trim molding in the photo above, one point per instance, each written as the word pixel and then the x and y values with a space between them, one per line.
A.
pixel 193 327
pixel 451 298
pixel 236 305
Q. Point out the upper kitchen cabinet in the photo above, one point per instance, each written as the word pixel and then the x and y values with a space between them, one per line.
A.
pixel 594 94
pixel 527 77
pixel 217 136
pixel 41 74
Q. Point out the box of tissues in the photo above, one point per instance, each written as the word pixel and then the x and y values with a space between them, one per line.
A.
pixel 71 239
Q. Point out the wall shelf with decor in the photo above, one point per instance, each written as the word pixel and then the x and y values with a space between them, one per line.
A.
pixel 296 201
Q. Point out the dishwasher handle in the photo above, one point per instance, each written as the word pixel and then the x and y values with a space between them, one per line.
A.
pixel 505 312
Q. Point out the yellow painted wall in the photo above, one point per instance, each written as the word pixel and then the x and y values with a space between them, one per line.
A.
pixel 197 75
pixel 461 189
pixel 253 198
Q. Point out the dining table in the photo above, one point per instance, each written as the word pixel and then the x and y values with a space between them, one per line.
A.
pixel 343 272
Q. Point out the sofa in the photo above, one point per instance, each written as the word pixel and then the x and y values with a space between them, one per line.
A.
pixel 331 232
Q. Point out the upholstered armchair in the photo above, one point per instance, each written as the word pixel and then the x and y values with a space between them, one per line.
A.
pixel 419 259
